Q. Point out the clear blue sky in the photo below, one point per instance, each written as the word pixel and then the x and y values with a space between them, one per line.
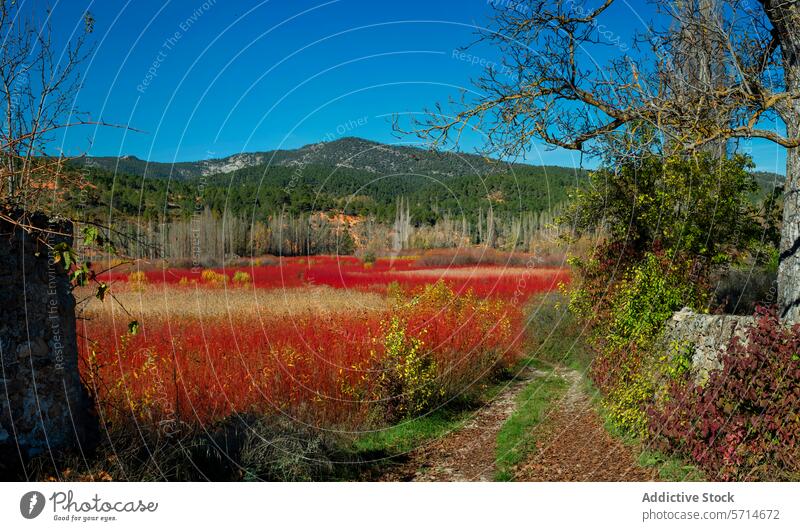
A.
pixel 209 79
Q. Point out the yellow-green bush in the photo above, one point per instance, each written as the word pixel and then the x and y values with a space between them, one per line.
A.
pixel 630 360
pixel 241 278
pixel 408 379
pixel 625 402
pixel 137 280
pixel 211 277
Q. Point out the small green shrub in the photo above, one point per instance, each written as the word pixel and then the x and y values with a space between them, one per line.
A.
pixel 369 258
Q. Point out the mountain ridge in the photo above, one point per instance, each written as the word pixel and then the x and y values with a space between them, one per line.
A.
pixel 348 152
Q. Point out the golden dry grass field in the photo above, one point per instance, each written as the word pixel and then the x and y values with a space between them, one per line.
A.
pixel 168 301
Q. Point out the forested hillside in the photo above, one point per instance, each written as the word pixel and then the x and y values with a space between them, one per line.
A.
pixel 338 196
pixel 349 176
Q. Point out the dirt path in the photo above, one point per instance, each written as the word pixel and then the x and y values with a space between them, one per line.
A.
pixel 467 454
pixel 572 445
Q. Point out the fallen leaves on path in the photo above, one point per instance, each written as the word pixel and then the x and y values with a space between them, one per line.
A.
pixel 573 445
pixel 466 454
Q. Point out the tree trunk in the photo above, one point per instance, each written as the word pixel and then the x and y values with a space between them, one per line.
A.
pixel 789 267
pixel 785 19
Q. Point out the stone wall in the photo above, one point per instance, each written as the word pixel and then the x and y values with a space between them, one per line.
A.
pixel 44 407
pixel 708 335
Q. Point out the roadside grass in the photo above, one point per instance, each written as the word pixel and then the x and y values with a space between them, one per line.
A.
pixel 517 438
pixel 554 339
pixel 404 437
pixel 671 468
pixel 563 343
pixel 382 448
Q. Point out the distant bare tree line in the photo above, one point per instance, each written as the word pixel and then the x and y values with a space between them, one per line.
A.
pixel 208 239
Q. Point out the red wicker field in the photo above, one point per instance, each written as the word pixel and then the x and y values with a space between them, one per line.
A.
pixel 347 272
pixel 327 340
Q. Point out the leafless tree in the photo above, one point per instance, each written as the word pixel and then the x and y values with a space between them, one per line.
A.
pixel 703 72
pixel 40 77
pixel 402 225
pixel 38 85
pixel 39 82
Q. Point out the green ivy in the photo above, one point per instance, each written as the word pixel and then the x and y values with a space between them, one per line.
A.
pixel 648 294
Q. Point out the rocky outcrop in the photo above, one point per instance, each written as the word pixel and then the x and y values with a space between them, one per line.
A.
pixel 706 335
pixel 43 405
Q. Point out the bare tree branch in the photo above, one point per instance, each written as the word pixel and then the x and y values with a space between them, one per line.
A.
pixel 710 73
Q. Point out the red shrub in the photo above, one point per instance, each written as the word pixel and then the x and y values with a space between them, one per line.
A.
pixel 745 422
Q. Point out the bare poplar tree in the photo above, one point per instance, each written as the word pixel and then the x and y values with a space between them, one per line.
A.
pixel 665 89
pixel 402 225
